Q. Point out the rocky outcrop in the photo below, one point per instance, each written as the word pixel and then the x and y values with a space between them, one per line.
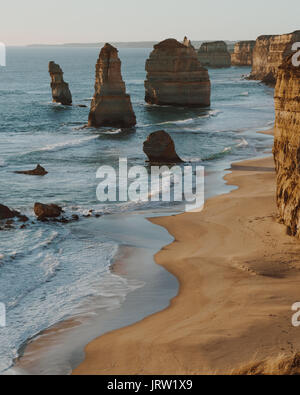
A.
pixel 243 52
pixel 60 89
pixel 269 53
pixel 8 216
pixel 175 76
pixel 160 148
pixel 111 106
pixel 287 145
pixel 7 213
pixel 38 171
pixel 214 54
pixel 44 211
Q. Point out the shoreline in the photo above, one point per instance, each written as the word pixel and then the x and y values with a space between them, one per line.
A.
pixel 59 348
pixel 36 349
pixel 236 290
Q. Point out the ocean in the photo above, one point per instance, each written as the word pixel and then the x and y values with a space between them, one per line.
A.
pixel 52 272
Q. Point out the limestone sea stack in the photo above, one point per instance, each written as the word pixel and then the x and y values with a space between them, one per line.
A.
pixel 214 54
pixel 243 52
pixel 175 76
pixel 269 53
pixel 111 106
pixel 60 89
pixel 160 148
pixel 287 145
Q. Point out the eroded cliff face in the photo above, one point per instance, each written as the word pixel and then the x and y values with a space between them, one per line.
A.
pixel 111 106
pixel 243 52
pixel 287 145
pixel 214 54
pixel 60 89
pixel 269 53
pixel 176 77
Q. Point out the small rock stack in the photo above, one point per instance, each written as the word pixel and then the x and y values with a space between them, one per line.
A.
pixel 214 54
pixel 60 89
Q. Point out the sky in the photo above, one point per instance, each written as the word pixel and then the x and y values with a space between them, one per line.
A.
pixel 24 22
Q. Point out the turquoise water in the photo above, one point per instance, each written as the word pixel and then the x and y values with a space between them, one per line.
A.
pixel 49 271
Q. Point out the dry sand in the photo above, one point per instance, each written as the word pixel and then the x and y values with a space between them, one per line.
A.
pixel 239 274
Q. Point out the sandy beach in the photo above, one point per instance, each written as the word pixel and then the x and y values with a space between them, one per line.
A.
pixel 239 276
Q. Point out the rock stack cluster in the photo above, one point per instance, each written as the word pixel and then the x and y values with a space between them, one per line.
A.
pixel 214 54
pixel 269 53
pixel 243 52
pixel 287 145
pixel 111 106
pixel 176 77
pixel 60 89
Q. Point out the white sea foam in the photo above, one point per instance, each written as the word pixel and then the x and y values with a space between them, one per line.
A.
pixel 242 143
pixel 64 144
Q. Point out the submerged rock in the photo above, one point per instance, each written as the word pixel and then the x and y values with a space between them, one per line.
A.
pixel 38 171
pixel 111 106
pixel 160 148
pixel 45 211
pixel 214 54
pixel 175 76
pixel 243 53
pixel 269 53
pixel 287 145
pixel 60 89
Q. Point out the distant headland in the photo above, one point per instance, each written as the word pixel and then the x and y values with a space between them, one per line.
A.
pixel 133 44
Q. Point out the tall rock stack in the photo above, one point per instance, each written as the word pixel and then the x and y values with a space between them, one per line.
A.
pixel 175 76
pixel 243 52
pixel 214 54
pixel 287 145
pixel 269 53
pixel 111 106
pixel 60 89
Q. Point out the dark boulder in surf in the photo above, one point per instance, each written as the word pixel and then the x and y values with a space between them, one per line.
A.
pixel 44 211
pixel 38 171
pixel 7 213
pixel 160 148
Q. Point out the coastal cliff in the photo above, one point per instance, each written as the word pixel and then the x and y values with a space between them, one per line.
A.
pixel 287 145
pixel 269 53
pixel 60 89
pixel 176 77
pixel 111 106
pixel 242 55
pixel 214 54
